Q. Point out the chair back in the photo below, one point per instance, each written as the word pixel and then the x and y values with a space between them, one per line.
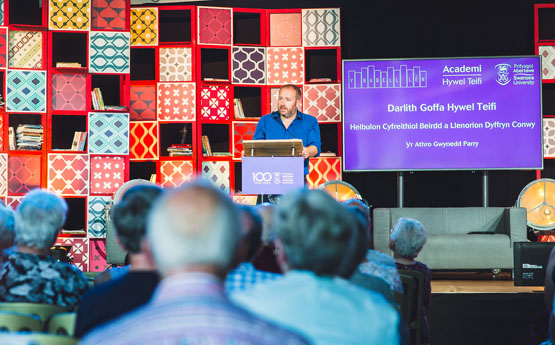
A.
pixel 62 324
pixel 16 322
pixel 411 303
pixel 43 311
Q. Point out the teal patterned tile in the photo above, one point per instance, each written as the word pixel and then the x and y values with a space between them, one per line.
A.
pixel 321 27
pixel 26 91
pixel 1 12
pixel 109 52
pixel 95 216
pixel 109 133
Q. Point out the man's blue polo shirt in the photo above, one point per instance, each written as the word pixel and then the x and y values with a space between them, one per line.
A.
pixel 303 127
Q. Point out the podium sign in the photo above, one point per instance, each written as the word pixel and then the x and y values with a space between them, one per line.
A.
pixel 272 175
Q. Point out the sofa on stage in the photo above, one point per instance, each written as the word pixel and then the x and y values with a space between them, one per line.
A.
pixel 463 238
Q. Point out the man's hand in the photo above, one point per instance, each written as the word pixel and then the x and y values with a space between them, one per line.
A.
pixel 309 151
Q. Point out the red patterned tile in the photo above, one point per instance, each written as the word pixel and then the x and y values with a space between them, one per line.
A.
pixel 241 131
pixel 79 251
pixel 285 29
pixel 108 14
pixel 144 140
pixel 174 173
pixel 143 102
pixel 97 255
pixel 285 66
pixel 176 101
pixel 323 102
pixel 68 174
pixel 322 170
pixel 107 174
pixel 3 47
pixel 23 174
pixel 214 103
pixel 13 201
pixel 68 92
pixel 214 25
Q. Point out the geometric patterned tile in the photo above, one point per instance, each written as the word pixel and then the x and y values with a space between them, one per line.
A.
pixel 96 221
pixel 97 255
pixel 108 14
pixel 243 199
pixel 142 102
pixel 3 174
pixel 26 91
pixel 174 173
pixel 144 26
pixel 176 101
pixel 285 65
pixel 23 174
pixel 323 101
pixel 79 251
pixel 548 61
pixel 214 103
pixel 3 47
pixel 144 140
pixel 218 174
pixel 109 133
pixel 274 95
pixel 285 29
pixel 13 201
pixel 175 64
pixel 25 49
pixel 322 170
pixel 68 92
pixel 68 174
pixel 107 174
pixel 549 137
pixel 248 65
pixel 109 52
pixel 214 25
pixel 1 12
pixel 243 130
pixel 321 28
pixel 69 15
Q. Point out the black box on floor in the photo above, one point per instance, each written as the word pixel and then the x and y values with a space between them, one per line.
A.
pixel 530 262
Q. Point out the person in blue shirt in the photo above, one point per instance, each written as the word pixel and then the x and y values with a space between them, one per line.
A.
pixel 289 123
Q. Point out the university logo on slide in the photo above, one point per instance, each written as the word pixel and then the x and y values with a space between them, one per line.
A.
pixel 503 74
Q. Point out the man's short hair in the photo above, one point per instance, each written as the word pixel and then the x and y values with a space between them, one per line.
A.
pixel 297 90
pixel 252 235
pixel 191 225
pixel 7 227
pixel 130 214
pixel 39 217
pixel 409 237
pixel 315 230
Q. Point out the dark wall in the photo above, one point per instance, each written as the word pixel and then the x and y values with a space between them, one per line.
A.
pixel 412 29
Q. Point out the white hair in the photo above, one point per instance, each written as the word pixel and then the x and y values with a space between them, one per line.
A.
pixel 38 218
pixel 191 225
pixel 409 237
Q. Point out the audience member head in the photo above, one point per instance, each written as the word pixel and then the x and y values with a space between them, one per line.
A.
pixel 7 225
pixel 39 217
pixel 408 238
pixel 130 215
pixel 251 232
pixel 193 227
pixel 266 211
pixel 314 232
pixel 353 258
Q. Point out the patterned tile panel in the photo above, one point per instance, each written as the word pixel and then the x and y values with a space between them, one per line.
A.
pixel 174 173
pixel 79 251
pixel 68 174
pixel 108 52
pixel 3 174
pixel 107 174
pixel 214 103
pixel 321 27
pixel 548 61
pixel 248 65
pixel 69 92
pixel 23 174
pixel 144 140
pixel 108 14
pixel 97 255
pixel 3 47
pixel 214 25
pixel 245 199
pixel 1 136
pixel 549 137
pixel 25 49
pixel 285 66
pixel 69 15
pixel 143 102
pixel 175 64
pixel 323 101
pixel 109 133
pixel 26 91
pixel 1 12
pixel 274 94
pixel 322 170
pixel 242 131
pixel 285 29
pixel 218 174
pixel 96 220
pixel 13 201
pixel 144 26
pixel 176 102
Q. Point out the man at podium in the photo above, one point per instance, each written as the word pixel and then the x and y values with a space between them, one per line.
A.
pixel 289 123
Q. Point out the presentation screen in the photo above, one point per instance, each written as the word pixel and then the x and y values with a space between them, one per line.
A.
pixel 442 114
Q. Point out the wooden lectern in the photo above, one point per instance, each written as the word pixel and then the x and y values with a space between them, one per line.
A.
pixel 273 148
